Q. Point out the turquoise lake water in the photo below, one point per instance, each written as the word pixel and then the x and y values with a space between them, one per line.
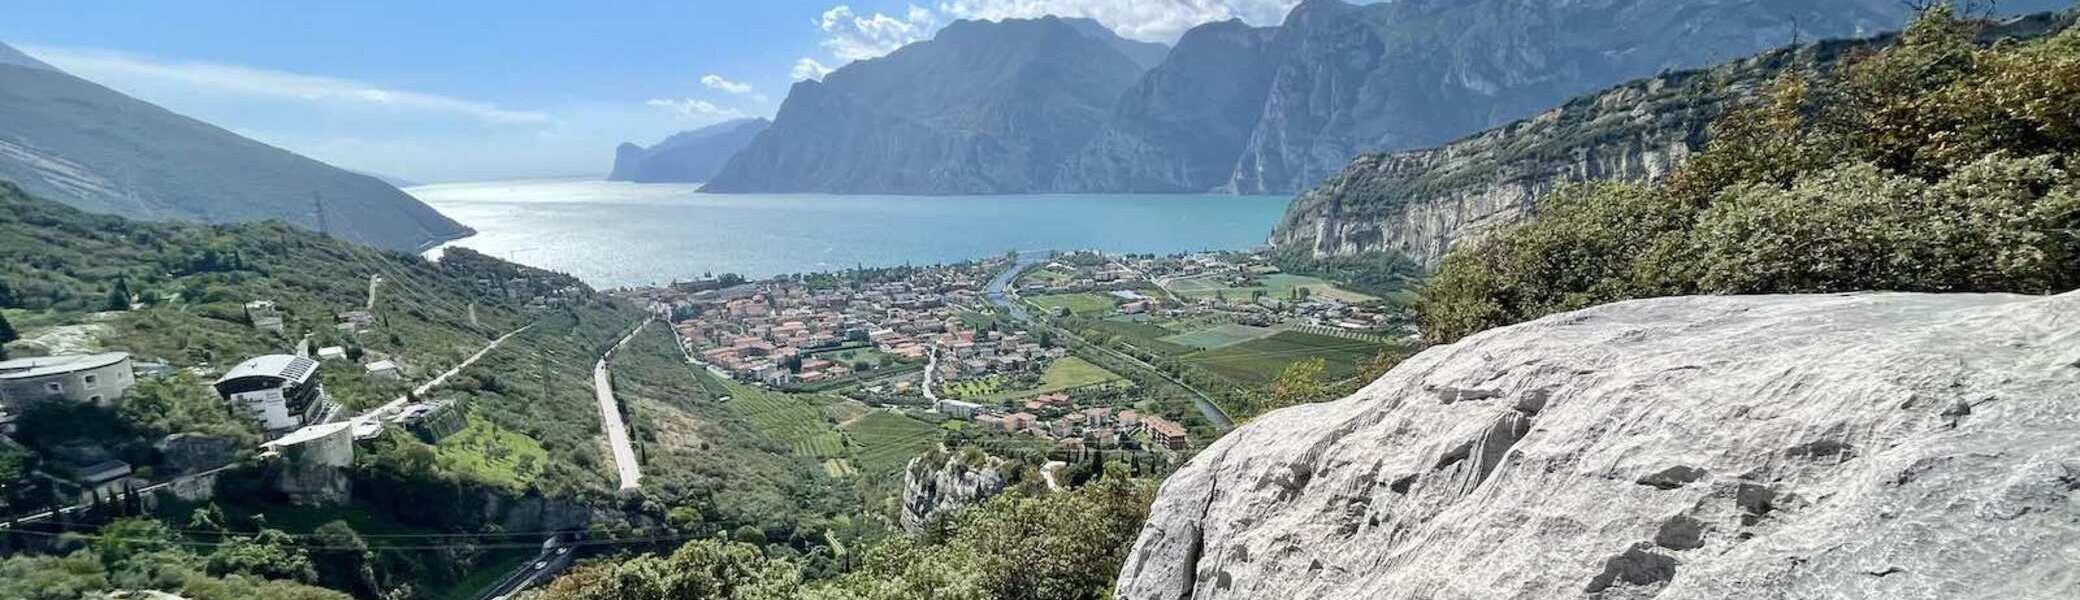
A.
pixel 615 234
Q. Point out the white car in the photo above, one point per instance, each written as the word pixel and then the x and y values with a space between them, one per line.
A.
pixel 541 564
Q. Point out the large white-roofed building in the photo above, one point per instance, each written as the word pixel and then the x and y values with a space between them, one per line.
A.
pixel 280 391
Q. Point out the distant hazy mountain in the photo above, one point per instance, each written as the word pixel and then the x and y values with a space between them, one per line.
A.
pixel 688 156
pixel 985 107
pixel 396 182
pixel 1335 80
pixel 11 56
pixel 69 140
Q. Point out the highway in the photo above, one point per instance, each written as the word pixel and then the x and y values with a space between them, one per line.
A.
pixel 610 415
pixel 553 558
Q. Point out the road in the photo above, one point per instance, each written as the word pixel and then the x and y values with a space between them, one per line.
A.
pixel 368 421
pixel 553 560
pixel 999 293
pixel 610 414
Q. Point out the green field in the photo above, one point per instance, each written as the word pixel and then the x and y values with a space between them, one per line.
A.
pixel 1067 373
pixel 1278 286
pixel 783 418
pixel 1260 361
pixel 1078 304
pixel 970 388
pixel 485 452
pixel 884 441
pixel 851 355
pixel 1219 336
pixel 1142 335
pixel 1044 276
pixel 838 467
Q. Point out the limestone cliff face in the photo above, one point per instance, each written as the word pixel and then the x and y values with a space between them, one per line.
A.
pixel 1424 202
pixel 936 487
pixel 1840 446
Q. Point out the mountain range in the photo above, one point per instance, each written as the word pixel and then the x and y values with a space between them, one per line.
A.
pixel 70 140
pixel 1062 105
pixel 983 108
pixel 688 156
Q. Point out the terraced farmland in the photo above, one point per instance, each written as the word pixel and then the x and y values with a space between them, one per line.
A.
pixel 1260 360
pixel 783 418
pixel 883 441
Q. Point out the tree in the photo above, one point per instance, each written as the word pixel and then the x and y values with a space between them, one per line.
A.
pixel 119 295
pixel 709 569
pixel 1300 383
pixel 271 554
pixel 7 334
pixel 343 560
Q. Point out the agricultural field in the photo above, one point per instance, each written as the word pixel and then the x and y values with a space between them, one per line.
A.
pixel 1082 304
pixel 1259 361
pixel 884 441
pixel 784 418
pixel 1278 285
pixel 838 467
pixel 490 454
pixel 971 388
pixel 1142 335
pixel 825 445
pixel 1219 336
pixel 1067 373
pixel 1044 276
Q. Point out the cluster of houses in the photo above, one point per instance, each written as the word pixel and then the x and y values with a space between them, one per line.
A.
pixel 779 332
pixel 1055 417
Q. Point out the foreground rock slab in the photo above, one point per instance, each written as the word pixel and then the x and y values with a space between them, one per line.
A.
pixel 1845 446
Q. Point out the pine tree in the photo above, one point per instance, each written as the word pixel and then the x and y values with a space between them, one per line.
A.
pixel 119 296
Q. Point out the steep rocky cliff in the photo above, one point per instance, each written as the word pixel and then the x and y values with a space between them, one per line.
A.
pixel 936 483
pixel 983 107
pixel 1423 202
pixel 1840 446
pixel 688 156
pixel 1181 128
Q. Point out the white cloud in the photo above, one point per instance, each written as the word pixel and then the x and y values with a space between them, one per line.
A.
pixel 717 82
pixel 694 110
pixel 808 68
pixel 110 67
pixel 1145 20
pixel 851 37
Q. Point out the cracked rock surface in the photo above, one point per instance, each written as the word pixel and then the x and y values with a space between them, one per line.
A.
pixel 1839 446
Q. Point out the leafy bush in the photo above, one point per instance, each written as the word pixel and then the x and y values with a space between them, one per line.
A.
pixel 1934 165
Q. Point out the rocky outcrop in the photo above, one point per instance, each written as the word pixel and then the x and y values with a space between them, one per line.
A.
pixel 688 156
pixel 939 483
pixel 1181 128
pixel 1842 446
pixel 184 453
pixel 1423 203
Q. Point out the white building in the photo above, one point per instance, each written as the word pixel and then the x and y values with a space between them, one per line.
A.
pixel 97 378
pixel 280 391
pixel 384 369
pixel 959 409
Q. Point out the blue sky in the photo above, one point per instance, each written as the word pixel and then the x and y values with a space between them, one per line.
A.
pixel 459 90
